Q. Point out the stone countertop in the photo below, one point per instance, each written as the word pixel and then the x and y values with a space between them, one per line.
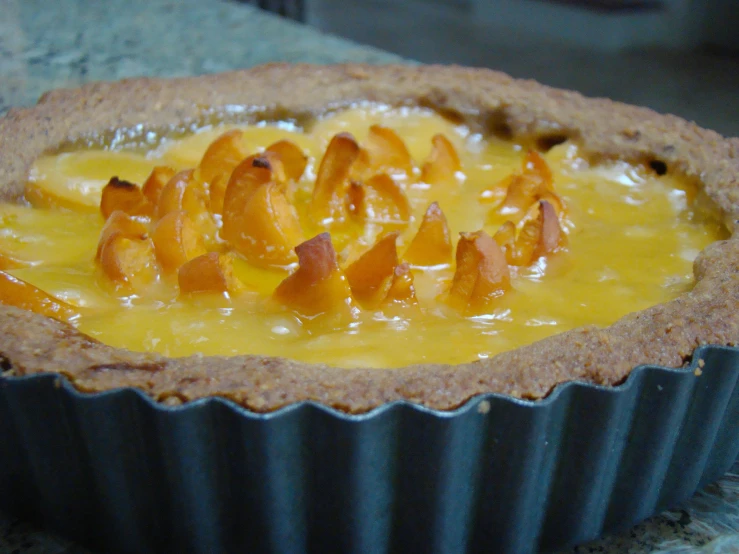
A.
pixel 69 42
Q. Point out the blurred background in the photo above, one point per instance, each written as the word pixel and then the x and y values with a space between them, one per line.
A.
pixel 678 56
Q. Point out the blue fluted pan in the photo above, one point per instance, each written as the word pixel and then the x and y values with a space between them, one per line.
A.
pixel 121 473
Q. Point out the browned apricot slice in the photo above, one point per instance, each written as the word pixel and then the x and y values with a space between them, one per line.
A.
pixel 219 160
pixel 292 157
pixel 176 240
pixel 208 273
pixel 128 262
pixel 482 273
pixel 432 244
pixel 332 179
pixel 387 150
pixel 156 181
pixel 19 293
pixel 402 289
pixel 443 162
pixel 124 196
pixel 122 224
pixel 266 230
pixel 318 286
pixel 382 200
pixel 249 175
pixel 371 275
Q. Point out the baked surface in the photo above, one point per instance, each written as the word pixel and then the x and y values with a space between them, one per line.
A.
pixel 489 101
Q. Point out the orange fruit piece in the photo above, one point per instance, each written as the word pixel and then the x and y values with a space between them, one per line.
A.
pixel 121 224
pixel 219 160
pixel 528 186
pixel 497 193
pixel 540 234
pixel 432 244
pixel 402 289
pixel 292 157
pixel 551 231
pixel 332 178
pixel 505 236
pixel 387 150
pixel 355 193
pixel 482 273
pixel 184 193
pixel 128 262
pixel 370 276
pixel 249 175
pixel 19 293
pixel 318 286
pixel 124 196
pixel 535 164
pixel 176 240
pixel 379 199
pixel 443 162
pixel 156 181
pixel 266 230
pixel 208 273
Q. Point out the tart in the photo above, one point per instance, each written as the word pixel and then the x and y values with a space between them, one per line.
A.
pixel 489 104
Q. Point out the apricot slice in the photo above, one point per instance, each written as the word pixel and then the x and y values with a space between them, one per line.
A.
pixel 19 293
pixel 266 230
pixel 497 193
pixel 126 197
pixel 482 273
pixel 292 157
pixel 208 273
pixel 535 164
pixel 219 160
pixel 387 150
pixel 402 289
pixel 528 186
pixel 505 236
pixel 176 240
pixel 249 175
pixel 381 200
pixel 432 244
pixel 371 275
pixel 355 199
pixel 332 178
pixel 540 234
pixel 128 262
pixel 318 286
pixel 156 181
pixel 183 193
pixel 442 164
pixel 121 224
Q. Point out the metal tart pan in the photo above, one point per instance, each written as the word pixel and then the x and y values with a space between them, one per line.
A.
pixel 121 473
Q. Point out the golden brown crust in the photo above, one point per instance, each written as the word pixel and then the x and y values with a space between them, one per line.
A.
pixel 665 334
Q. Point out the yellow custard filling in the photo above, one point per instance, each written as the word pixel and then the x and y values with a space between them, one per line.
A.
pixel 627 240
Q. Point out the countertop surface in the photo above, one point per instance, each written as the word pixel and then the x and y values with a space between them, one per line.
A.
pixel 69 42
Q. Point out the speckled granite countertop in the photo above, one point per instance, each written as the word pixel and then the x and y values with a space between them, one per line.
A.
pixel 63 44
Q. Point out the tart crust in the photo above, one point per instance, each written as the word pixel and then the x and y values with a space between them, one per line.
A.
pixel 488 101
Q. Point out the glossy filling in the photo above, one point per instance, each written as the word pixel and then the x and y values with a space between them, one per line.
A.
pixel 608 239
